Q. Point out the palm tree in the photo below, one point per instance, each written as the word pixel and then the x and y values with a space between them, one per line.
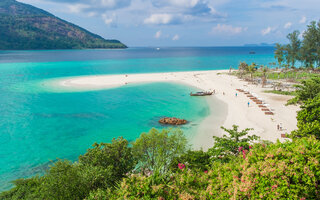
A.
pixel 251 69
pixel 243 67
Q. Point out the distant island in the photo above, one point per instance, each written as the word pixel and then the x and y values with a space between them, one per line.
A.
pixel 260 45
pixel 25 27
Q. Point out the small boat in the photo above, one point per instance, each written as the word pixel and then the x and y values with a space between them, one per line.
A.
pixel 157 49
pixel 252 52
pixel 201 94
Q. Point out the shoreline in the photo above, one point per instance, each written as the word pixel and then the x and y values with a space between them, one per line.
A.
pixel 234 108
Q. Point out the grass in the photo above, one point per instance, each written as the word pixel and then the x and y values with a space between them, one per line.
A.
pixel 289 93
pixel 287 75
pixel 293 75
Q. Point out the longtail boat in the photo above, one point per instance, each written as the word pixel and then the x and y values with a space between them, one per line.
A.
pixel 201 94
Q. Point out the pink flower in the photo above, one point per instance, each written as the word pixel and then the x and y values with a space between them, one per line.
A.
pixel 250 147
pixel 274 186
pixel 206 172
pixel 181 166
pixel 240 149
pixel 244 154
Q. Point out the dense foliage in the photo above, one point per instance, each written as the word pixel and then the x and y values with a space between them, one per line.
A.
pixel 309 119
pixel 23 26
pixel 156 150
pixel 287 170
pixel 308 95
pixel 228 146
pixel 307 90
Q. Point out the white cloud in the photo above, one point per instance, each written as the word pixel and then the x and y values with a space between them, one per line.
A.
pixel 303 20
pixel 159 19
pixel 267 30
pixel 176 37
pixel 158 34
pixel 223 28
pixel 110 20
pixel 77 8
pixel 176 3
pixel 92 14
pixel 199 9
pixel 287 25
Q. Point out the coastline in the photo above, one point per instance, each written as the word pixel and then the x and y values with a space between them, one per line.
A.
pixel 234 109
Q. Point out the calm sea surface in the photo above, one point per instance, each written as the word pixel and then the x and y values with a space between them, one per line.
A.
pixel 37 127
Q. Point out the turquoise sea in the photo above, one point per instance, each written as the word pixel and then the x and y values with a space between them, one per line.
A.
pixel 38 126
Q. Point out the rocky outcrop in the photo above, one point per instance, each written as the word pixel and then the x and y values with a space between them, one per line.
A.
pixel 172 121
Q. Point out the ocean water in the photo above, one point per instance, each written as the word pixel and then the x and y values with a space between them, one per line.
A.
pixel 37 126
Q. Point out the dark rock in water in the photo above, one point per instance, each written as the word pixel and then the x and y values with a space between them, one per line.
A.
pixel 172 121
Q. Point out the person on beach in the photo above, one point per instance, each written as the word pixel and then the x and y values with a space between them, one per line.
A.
pixel 278 127
pixel 236 94
pixel 248 103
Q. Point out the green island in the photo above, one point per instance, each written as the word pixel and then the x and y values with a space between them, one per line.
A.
pixel 24 27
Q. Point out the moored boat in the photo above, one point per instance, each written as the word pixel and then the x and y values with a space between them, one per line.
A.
pixel 201 94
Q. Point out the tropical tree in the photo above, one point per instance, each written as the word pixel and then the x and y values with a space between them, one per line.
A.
pixel 311 45
pixel 226 147
pixel 293 48
pixel 115 156
pixel 251 69
pixel 279 54
pixel 156 149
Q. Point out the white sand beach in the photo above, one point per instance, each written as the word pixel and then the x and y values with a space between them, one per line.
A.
pixel 225 87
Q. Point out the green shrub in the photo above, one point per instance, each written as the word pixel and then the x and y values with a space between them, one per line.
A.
pixel 155 150
pixel 228 146
pixel 195 160
pixel 116 156
pixel 287 170
pixel 309 119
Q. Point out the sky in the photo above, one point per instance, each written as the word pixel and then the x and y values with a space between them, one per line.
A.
pixel 187 22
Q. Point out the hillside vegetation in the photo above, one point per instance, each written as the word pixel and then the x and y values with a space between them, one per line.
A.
pixel 23 27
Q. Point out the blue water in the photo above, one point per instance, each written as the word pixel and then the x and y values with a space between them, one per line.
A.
pixel 37 126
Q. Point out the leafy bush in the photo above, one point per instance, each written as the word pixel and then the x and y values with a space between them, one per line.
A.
pixel 226 147
pixel 287 170
pixel 115 156
pixel 195 160
pixel 155 150
pixel 308 90
pixel 309 119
